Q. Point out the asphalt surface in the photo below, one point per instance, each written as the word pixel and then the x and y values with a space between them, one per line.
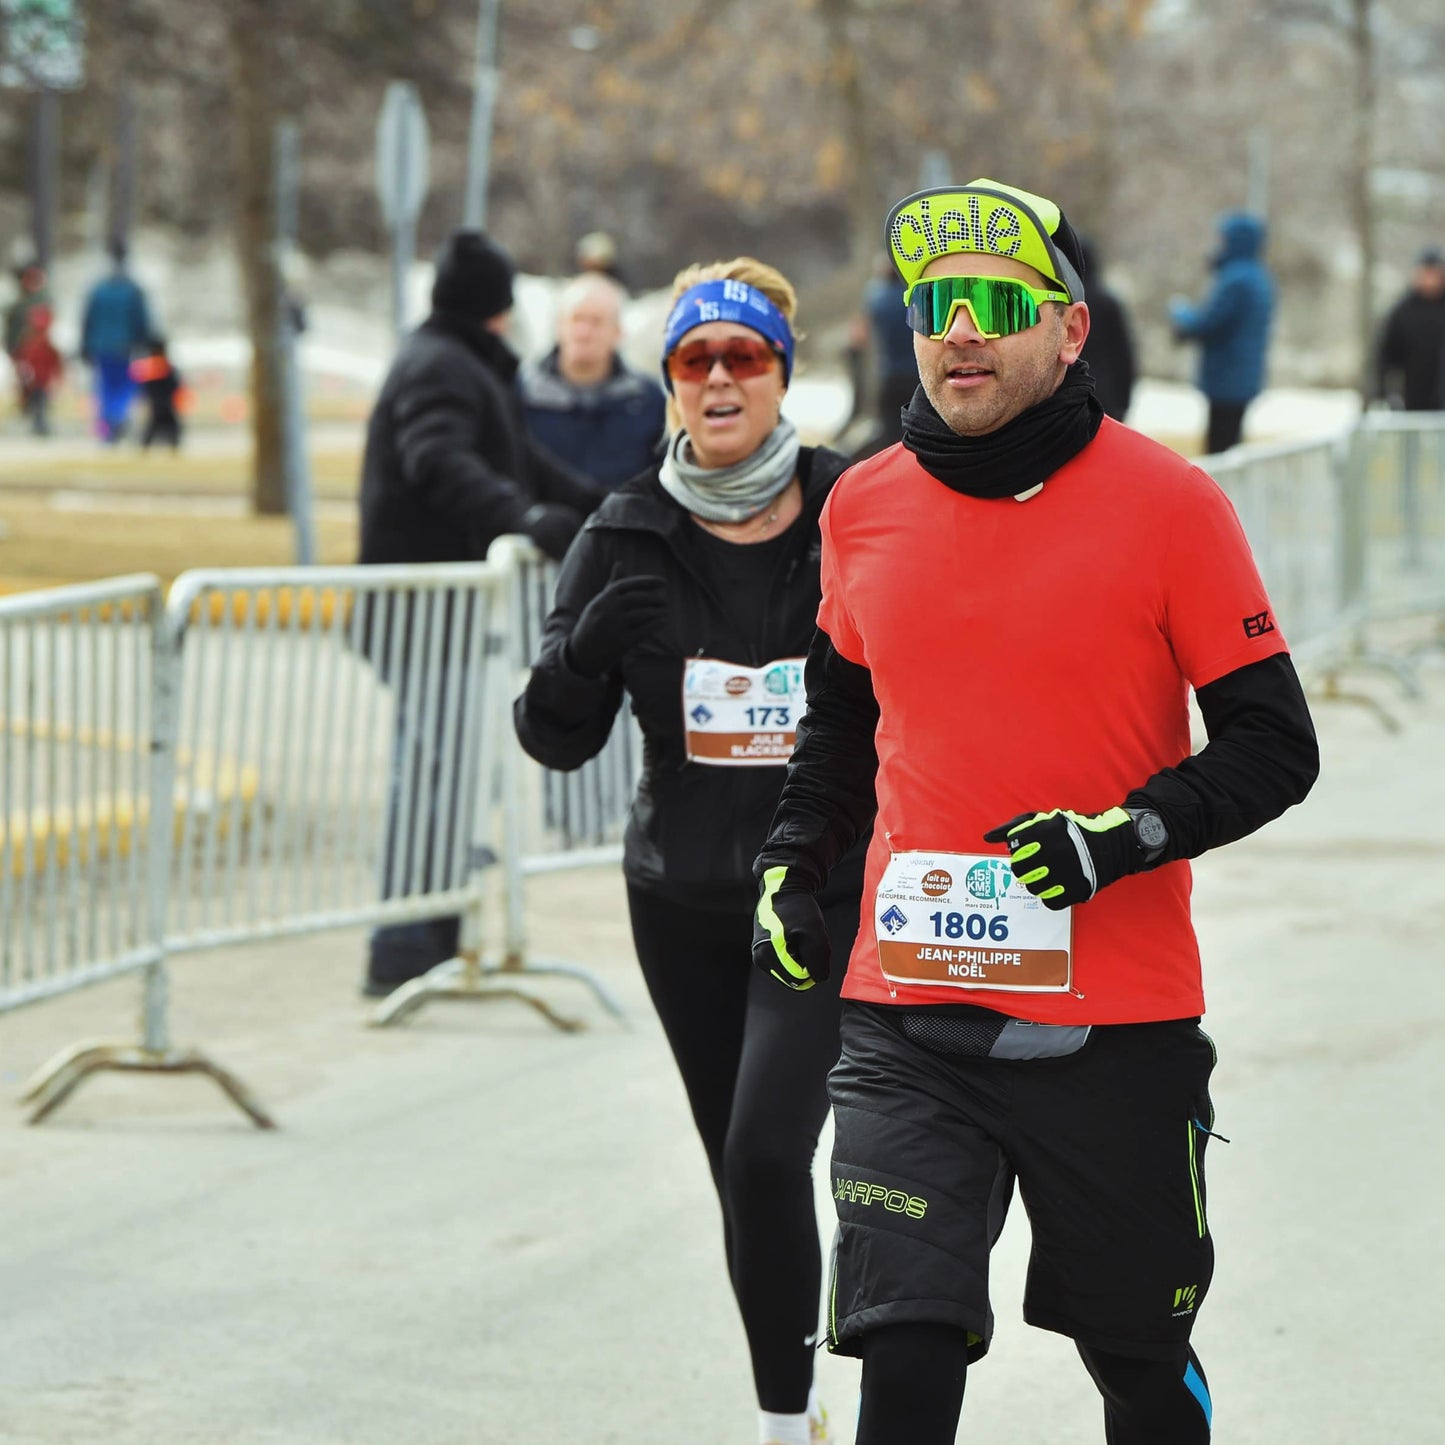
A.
pixel 476 1229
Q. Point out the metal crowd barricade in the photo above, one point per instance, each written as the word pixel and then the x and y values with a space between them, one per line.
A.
pixel 323 733
pixel 1348 532
pixel 353 703
pixel 552 820
pixel 87 812
pixel 1398 468
pixel 370 705
pixel 75 786
pixel 1290 501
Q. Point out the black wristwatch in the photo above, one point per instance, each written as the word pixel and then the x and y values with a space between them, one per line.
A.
pixel 1149 832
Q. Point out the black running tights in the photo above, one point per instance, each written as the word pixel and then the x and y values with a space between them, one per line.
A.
pixel 1146 1401
pixel 754 1059
pixel 913 1376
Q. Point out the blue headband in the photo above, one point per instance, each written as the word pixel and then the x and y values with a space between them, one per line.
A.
pixel 727 301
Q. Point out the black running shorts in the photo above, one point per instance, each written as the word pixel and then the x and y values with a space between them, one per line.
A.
pixel 1106 1145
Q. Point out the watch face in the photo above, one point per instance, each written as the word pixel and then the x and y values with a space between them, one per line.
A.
pixel 1151 830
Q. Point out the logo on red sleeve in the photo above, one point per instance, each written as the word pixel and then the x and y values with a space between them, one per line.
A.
pixel 1258 625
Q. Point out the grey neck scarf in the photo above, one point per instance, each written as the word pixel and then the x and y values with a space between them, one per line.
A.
pixel 736 493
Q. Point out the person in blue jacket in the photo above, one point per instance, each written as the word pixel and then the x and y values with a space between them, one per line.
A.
pixel 116 324
pixel 1231 327
pixel 582 402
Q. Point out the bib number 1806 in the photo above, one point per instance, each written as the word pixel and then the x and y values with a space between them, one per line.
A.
pixel 970 925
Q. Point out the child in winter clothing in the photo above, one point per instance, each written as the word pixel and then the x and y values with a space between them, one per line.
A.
pixel 38 368
pixel 163 388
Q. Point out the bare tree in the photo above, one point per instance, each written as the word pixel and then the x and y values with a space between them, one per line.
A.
pixel 257 102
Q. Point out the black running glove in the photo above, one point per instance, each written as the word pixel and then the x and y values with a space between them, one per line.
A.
pixel 790 940
pixel 1064 858
pixel 625 611
pixel 552 526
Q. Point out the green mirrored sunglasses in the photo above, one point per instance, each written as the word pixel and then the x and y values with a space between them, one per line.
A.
pixel 999 305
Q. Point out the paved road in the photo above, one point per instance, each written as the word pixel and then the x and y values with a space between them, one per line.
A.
pixel 475 1231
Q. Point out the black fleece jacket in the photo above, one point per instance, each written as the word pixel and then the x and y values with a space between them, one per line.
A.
pixel 449 466
pixel 694 829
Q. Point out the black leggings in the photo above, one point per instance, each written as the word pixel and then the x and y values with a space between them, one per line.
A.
pixel 916 1374
pixel 754 1059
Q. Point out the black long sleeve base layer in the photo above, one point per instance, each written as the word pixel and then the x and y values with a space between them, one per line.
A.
pixel 754 1059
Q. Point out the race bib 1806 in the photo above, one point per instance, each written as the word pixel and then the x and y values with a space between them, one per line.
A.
pixel 736 716
pixel 962 920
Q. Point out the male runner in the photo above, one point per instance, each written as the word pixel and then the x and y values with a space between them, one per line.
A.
pixel 1015 601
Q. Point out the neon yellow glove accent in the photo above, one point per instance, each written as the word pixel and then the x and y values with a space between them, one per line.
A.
pixel 790 939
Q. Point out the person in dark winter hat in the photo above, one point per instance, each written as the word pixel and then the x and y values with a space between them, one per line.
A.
pixel 449 468
pixel 473 277
pixel 1109 348
pixel 1410 368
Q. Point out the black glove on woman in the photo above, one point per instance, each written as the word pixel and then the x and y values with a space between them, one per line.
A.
pixel 617 618
pixel 552 526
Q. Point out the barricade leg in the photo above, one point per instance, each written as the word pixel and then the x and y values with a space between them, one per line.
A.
pixel 469 975
pixel 1368 659
pixel 57 1080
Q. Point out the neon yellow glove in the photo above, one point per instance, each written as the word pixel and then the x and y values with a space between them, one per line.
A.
pixel 790 939
pixel 1064 858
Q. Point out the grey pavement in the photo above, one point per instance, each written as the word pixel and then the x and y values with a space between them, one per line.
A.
pixel 474 1229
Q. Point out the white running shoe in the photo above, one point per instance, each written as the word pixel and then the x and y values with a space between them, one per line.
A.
pixel 818 1433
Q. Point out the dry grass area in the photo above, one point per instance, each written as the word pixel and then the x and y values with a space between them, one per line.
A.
pixel 334 473
pixel 89 513
pixel 43 547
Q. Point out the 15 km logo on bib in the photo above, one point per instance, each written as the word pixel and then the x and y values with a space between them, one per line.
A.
pixel 964 921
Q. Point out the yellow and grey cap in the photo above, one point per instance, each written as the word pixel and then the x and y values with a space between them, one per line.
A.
pixel 991 219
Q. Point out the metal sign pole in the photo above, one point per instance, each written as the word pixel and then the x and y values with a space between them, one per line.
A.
pixel 484 99
pixel 44 171
pixel 295 461
pixel 401 184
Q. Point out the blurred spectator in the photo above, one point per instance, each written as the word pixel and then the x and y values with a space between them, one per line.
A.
pixel 38 368
pixel 1410 369
pixel 880 332
pixel 582 402
pixel 1109 349
pixel 117 322
pixel 597 251
pixel 163 388
pixel 33 292
pixel 1232 328
pixel 448 469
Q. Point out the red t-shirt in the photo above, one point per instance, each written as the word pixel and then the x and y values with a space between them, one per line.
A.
pixel 1036 655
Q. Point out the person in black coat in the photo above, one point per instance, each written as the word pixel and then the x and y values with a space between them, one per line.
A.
pixel 1411 361
pixel 448 466
pixel 693 589
pixel 1109 349
pixel 448 469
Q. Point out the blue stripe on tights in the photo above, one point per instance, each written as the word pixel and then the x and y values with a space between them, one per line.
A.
pixel 1195 1381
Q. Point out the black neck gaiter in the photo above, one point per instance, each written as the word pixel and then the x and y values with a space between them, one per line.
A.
pixel 1021 454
